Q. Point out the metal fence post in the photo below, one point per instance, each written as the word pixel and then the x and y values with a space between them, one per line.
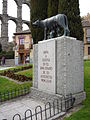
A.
pixel 47 108
pixel 15 92
pixel 0 97
pixel 4 96
pixel 30 116
pixel 8 94
pixel 17 115
pixel 39 112
pixel 11 94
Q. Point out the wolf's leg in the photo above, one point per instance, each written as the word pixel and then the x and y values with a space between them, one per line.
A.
pixel 45 33
pixel 66 32
pixel 57 31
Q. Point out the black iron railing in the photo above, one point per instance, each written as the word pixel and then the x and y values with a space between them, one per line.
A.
pixel 50 110
pixel 7 95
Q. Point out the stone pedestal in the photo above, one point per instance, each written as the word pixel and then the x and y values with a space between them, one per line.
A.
pixel 47 66
pixel 58 66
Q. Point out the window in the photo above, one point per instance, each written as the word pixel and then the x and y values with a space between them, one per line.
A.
pixel 88 50
pixel 88 32
pixel 88 39
pixel 21 41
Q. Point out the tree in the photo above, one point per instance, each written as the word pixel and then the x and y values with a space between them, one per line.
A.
pixel 0 47
pixel 87 17
pixel 71 9
pixel 52 7
pixel 38 11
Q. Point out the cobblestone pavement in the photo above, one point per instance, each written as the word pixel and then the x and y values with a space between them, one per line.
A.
pixel 12 107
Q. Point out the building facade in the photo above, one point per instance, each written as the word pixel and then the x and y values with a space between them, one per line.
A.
pixel 23 47
pixel 86 29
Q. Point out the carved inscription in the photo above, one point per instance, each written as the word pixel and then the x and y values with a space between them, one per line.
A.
pixel 46 68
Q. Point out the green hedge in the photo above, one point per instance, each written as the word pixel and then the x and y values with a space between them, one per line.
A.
pixel 7 55
pixel 18 68
pixel 0 47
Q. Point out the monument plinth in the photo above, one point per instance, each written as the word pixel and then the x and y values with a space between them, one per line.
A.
pixel 58 67
pixel 46 66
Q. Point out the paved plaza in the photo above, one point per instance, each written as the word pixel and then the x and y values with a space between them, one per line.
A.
pixel 12 107
pixel 4 68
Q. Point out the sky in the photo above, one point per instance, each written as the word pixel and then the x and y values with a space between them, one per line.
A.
pixel 12 11
pixel 84 7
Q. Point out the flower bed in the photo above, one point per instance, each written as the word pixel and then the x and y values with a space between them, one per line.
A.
pixel 11 73
pixel 14 76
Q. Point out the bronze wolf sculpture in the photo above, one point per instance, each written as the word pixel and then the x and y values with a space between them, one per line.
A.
pixel 53 24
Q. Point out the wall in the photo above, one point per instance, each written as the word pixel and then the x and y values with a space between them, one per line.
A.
pixel 27 41
pixel 86 44
pixel 9 62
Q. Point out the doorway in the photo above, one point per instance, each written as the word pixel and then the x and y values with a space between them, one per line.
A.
pixel 21 58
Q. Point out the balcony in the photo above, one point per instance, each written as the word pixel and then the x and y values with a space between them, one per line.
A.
pixel 21 49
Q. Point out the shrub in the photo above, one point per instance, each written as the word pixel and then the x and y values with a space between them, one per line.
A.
pixel 21 68
pixel 7 55
pixel 0 47
pixel 11 74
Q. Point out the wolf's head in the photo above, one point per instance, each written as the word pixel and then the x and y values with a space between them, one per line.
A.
pixel 36 23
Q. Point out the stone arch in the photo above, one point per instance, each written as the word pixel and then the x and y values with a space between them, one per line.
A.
pixel 25 26
pixel 13 19
pixel 16 2
pixel 11 25
pixel 4 17
pixel 27 23
pixel 26 2
pixel 12 4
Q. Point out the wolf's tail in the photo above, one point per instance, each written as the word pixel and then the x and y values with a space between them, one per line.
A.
pixel 66 25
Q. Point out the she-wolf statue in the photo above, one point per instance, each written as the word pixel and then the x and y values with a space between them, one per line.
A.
pixel 53 25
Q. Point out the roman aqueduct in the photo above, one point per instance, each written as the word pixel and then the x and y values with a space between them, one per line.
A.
pixel 4 17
